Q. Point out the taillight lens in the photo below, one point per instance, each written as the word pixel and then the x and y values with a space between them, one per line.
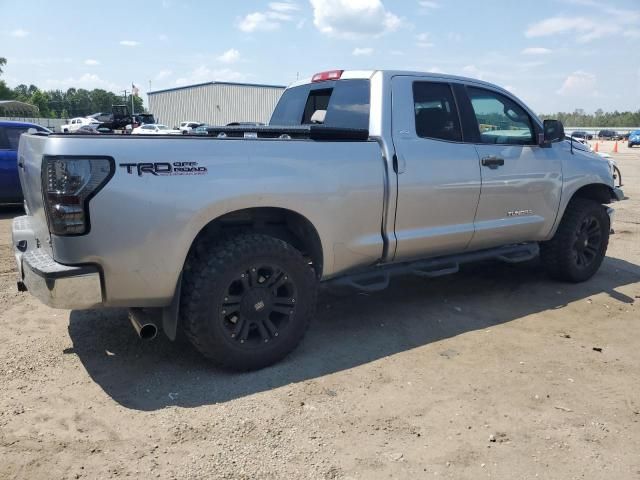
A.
pixel 68 184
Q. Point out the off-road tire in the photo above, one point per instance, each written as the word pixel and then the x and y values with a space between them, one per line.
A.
pixel 213 268
pixel 560 255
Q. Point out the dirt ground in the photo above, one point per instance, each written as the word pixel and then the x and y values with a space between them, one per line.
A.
pixel 494 372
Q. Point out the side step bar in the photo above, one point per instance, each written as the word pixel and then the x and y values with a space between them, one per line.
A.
pixel 378 278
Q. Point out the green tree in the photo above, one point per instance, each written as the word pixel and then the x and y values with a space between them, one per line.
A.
pixel 3 62
pixel 41 100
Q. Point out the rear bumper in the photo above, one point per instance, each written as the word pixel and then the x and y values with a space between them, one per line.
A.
pixel 54 284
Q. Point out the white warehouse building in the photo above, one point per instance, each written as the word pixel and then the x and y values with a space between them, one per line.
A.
pixel 215 103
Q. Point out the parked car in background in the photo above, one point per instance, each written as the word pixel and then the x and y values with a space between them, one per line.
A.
pixel 244 124
pixel 188 127
pixel 76 123
pixel 154 129
pixel 608 135
pixel 634 138
pixel 88 130
pixel 624 136
pixel 118 118
pixel 582 134
pixel 10 191
pixel 143 119
pixel 201 130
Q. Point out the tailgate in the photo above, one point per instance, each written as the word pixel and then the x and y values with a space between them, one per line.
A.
pixel 30 154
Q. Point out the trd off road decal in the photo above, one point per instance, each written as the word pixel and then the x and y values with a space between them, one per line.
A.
pixel 165 168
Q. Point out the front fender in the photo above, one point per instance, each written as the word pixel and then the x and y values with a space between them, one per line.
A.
pixel 587 175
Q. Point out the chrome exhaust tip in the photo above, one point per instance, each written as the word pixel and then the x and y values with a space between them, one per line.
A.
pixel 143 324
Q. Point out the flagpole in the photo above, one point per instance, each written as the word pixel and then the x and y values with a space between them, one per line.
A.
pixel 132 110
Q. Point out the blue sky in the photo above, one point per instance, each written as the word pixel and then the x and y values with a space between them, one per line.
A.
pixel 554 54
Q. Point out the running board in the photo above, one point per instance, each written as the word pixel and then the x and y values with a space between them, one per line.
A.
pixel 378 278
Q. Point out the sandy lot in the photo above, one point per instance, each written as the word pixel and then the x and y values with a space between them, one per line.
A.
pixel 488 373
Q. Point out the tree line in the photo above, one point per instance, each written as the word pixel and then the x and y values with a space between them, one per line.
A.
pixel 65 103
pixel 599 119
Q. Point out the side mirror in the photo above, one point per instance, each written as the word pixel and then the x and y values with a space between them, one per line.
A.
pixel 553 132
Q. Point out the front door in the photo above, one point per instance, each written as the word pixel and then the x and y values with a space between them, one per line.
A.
pixel 438 175
pixel 521 181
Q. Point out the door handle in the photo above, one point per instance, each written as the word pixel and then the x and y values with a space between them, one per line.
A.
pixel 492 162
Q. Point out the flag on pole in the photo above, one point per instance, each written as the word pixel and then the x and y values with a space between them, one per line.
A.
pixel 134 90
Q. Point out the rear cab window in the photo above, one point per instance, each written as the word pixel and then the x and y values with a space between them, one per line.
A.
pixel 340 103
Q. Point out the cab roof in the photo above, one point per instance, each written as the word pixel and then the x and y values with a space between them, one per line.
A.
pixel 367 74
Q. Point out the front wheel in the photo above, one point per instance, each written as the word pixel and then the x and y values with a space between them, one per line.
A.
pixel 247 301
pixel 577 249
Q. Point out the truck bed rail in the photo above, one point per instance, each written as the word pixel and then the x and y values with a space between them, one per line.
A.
pixel 312 132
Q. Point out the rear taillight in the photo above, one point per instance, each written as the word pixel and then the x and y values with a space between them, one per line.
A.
pixel 324 76
pixel 68 183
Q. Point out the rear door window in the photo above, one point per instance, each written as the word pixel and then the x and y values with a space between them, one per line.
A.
pixel 342 103
pixel 436 115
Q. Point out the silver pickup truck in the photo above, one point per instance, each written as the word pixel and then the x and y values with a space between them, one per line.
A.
pixel 359 176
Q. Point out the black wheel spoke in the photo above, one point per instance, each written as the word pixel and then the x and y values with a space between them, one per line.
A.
pixel 284 301
pixel 253 277
pixel 593 230
pixel 271 327
pixel 282 309
pixel 244 331
pixel 264 334
pixel 276 280
pixel 240 322
pixel 231 300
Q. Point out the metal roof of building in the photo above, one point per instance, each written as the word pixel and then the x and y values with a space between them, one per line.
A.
pixel 237 84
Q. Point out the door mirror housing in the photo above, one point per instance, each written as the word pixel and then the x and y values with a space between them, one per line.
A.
pixel 553 132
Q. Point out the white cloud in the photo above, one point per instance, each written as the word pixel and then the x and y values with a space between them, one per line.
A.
pixel 358 52
pixel 579 83
pixel 230 56
pixel 258 21
pixel 435 70
pixel 162 74
pixel 19 33
pixel 632 33
pixel 428 4
pixel 283 7
pixel 204 74
pixel 353 18
pixel 269 20
pixel 585 29
pixel 423 40
pixel 91 62
pixel 88 81
pixel 536 51
pixel 473 71
pixel 129 43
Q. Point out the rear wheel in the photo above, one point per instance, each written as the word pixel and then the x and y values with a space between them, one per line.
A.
pixel 577 249
pixel 247 302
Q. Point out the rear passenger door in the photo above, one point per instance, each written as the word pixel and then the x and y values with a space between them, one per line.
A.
pixel 521 181
pixel 437 172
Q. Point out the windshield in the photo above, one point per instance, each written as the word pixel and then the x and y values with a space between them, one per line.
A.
pixel 163 127
pixel 342 103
